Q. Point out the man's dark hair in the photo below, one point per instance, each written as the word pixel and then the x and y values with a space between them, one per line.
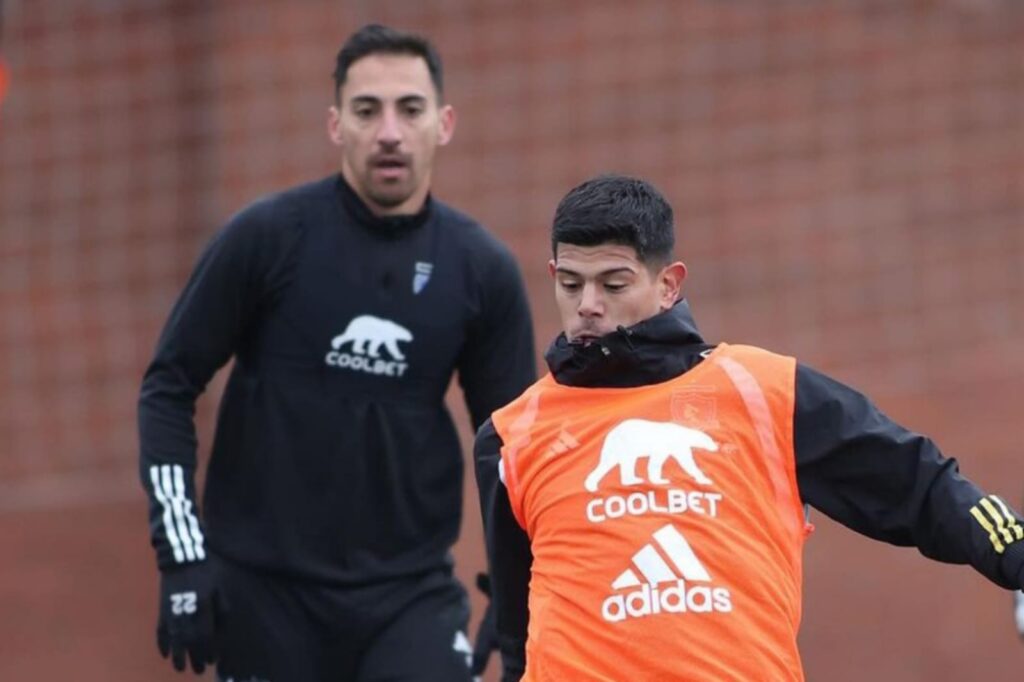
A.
pixel 380 39
pixel 616 209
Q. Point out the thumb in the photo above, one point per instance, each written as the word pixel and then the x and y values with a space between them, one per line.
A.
pixel 163 641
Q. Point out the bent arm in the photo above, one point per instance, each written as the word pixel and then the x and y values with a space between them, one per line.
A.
pixel 201 334
pixel 508 554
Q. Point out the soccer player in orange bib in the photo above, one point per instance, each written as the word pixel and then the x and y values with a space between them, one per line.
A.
pixel 644 501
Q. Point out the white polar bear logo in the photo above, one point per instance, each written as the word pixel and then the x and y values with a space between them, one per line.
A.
pixel 368 333
pixel 636 438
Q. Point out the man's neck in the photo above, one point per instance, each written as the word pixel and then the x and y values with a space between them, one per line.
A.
pixel 387 225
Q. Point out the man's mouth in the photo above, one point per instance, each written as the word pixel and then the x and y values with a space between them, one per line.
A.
pixel 389 167
pixel 585 338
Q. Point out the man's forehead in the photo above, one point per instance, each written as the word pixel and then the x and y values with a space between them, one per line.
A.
pixel 596 254
pixel 388 77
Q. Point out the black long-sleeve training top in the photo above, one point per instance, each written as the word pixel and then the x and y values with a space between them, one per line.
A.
pixel 853 463
pixel 334 458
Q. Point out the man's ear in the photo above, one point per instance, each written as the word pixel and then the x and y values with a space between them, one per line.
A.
pixel 334 125
pixel 670 284
pixel 551 267
pixel 447 124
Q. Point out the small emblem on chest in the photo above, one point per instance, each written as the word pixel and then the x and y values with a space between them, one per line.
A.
pixel 421 275
pixel 696 406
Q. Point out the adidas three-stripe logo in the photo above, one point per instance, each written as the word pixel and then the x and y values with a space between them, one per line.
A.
pixel 562 444
pixel 180 524
pixel 996 518
pixel 654 568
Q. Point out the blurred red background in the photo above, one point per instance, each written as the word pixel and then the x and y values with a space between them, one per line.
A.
pixel 848 179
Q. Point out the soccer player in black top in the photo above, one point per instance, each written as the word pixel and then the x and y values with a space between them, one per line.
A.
pixel 334 488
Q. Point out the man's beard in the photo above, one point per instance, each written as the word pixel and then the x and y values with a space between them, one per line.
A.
pixel 389 197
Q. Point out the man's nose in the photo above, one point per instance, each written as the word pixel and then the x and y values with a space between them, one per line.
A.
pixel 591 303
pixel 389 134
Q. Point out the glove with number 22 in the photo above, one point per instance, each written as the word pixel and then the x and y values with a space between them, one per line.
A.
pixel 185 626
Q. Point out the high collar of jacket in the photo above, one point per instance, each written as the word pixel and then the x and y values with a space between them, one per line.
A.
pixel 651 351
pixel 387 226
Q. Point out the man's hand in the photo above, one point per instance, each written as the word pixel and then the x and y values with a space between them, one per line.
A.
pixel 1018 611
pixel 487 633
pixel 185 626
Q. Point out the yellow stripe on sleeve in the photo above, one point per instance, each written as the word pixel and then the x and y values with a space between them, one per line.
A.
pixel 987 505
pixel 988 526
pixel 1011 519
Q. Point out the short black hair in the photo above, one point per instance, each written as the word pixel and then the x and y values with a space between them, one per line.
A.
pixel 616 209
pixel 380 39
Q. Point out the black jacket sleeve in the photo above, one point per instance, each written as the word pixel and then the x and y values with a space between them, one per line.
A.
pixel 497 361
pixel 872 475
pixel 202 332
pixel 508 553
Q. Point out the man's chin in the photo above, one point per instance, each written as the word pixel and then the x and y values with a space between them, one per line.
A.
pixel 388 200
pixel 390 193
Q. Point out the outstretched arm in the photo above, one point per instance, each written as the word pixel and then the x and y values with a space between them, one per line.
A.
pixel 872 475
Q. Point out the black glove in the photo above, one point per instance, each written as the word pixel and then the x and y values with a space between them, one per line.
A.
pixel 1018 611
pixel 487 634
pixel 185 626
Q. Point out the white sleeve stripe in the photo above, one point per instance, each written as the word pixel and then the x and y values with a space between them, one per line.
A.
pixel 179 516
pixel 197 535
pixel 193 522
pixel 172 534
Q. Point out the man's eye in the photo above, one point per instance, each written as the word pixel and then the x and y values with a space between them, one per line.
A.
pixel 364 112
pixel 614 288
pixel 413 110
pixel 570 286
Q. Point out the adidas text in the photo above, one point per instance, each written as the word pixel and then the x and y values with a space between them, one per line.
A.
pixel 650 600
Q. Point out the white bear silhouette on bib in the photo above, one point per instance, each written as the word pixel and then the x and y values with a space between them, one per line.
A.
pixel 634 439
